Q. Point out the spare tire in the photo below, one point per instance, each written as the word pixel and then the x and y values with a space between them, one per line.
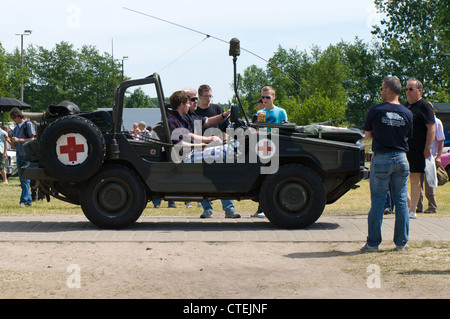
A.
pixel 72 149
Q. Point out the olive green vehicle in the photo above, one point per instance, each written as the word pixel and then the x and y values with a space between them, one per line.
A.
pixel 86 159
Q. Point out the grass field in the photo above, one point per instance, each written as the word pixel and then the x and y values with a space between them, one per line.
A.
pixel 355 202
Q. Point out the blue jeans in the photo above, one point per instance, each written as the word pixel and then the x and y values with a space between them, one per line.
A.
pixel 388 168
pixel 227 205
pixel 25 196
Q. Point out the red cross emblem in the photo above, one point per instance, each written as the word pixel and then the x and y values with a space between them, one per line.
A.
pixel 265 148
pixel 72 149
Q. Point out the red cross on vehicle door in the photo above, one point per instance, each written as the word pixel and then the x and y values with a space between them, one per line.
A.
pixel 265 148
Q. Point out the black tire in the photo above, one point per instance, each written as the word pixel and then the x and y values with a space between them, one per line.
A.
pixel 294 197
pixel 113 198
pixel 66 128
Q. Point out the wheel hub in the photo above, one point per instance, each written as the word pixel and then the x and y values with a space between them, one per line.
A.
pixel 293 197
pixel 112 197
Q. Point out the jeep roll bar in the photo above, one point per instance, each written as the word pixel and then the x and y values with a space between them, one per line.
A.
pixel 119 96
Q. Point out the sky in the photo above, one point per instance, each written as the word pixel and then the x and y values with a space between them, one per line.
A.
pixel 182 57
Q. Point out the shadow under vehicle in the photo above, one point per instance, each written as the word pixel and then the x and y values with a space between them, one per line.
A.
pixel 87 159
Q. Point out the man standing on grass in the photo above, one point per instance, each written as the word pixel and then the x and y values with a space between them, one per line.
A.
pixel 23 132
pixel 389 125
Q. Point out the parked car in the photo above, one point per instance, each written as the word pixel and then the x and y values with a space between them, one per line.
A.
pixel 11 165
pixel 445 162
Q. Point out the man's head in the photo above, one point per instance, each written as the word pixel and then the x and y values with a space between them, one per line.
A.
pixel 268 96
pixel 391 88
pixel 179 102
pixel 16 115
pixel 193 98
pixel 205 95
pixel 414 90
pixel 141 125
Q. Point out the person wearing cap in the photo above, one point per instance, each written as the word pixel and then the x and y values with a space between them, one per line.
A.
pixel 22 133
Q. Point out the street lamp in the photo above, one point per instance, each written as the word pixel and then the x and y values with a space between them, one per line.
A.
pixel 123 59
pixel 26 32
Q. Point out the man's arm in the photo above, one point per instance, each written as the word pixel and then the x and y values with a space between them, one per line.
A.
pixel 215 120
pixel 431 131
pixel 369 134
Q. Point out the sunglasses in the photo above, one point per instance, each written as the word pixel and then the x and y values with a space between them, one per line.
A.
pixel 266 97
pixel 193 99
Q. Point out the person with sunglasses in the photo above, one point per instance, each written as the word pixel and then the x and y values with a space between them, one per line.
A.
pixel 420 143
pixel 270 113
pixel 192 116
pixel 211 115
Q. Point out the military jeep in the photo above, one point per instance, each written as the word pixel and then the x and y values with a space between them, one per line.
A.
pixel 88 159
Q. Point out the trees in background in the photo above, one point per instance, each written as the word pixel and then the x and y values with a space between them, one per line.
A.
pixel 83 76
pixel 344 79
pixel 338 83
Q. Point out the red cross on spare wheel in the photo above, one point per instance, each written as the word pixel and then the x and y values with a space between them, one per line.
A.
pixel 72 149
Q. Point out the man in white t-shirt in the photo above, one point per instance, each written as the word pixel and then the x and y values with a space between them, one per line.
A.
pixel 436 151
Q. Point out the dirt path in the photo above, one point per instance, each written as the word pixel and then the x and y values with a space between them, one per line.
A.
pixel 204 270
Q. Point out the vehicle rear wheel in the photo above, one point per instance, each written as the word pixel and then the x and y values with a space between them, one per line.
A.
pixel 114 198
pixel 294 197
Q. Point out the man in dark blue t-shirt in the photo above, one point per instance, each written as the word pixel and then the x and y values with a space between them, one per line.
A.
pixel 389 125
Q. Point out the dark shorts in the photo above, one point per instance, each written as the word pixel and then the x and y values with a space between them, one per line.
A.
pixel 416 162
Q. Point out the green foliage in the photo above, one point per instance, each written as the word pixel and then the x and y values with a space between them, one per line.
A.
pixel 82 76
pixel 414 39
pixel 138 99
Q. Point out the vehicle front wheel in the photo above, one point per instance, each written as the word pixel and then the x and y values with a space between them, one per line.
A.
pixel 294 197
pixel 113 198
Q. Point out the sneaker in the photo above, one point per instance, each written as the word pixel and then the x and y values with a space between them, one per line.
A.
pixel 387 211
pixel 400 248
pixel 156 206
pixel 259 215
pixel 188 205
pixel 232 214
pixel 368 248
pixel 412 215
pixel 429 211
pixel 172 205
pixel 206 214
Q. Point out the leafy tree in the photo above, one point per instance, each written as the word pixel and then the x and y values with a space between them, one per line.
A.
pixel 308 86
pixel 414 42
pixel 138 99
pixel 364 79
pixel 63 73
